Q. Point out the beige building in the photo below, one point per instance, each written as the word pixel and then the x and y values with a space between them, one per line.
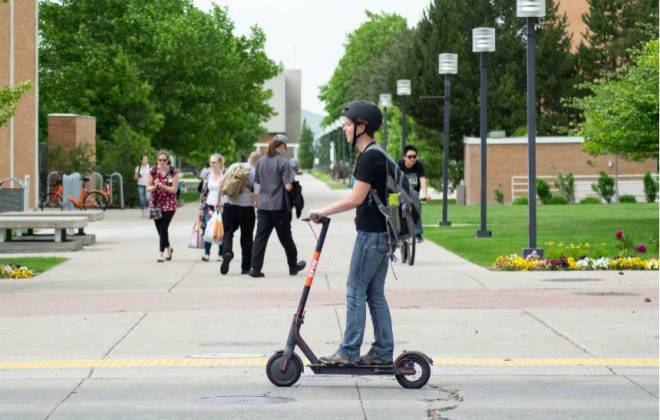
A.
pixel 574 10
pixel 18 62
pixel 507 167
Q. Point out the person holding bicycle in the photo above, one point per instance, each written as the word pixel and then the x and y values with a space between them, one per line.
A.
pixel 414 170
pixel 162 183
pixel 140 175
pixel 368 268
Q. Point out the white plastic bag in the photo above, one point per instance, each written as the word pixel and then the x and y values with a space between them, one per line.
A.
pixel 214 229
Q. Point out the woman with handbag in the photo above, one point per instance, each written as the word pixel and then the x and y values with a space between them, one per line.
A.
pixel 210 199
pixel 162 183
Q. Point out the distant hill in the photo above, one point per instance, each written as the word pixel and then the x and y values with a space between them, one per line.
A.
pixel 313 120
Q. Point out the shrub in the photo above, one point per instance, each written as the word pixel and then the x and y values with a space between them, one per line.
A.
pixel 650 188
pixel 590 200
pixel 627 199
pixel 499 195
pixel 557 200
pixel 543 191
pixel 520 201
pixel 604 187
pixel 566 186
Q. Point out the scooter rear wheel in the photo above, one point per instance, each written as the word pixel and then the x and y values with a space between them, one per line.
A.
pixel 422 371
pixel 290 375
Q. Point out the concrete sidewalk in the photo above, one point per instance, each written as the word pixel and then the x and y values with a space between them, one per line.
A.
pixel 113 334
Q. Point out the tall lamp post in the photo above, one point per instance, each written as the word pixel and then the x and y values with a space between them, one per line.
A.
pixel 385 100
pixel 531 10
pixel 447 65
pixel 404 90
pixel 483 42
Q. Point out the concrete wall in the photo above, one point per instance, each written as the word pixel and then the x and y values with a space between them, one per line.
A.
pixel 293 112
pixel 277 123
pixel 18 62
pixel 508 158
pixel 286 103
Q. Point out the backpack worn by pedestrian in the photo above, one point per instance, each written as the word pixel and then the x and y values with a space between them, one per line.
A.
pixel 236 180
pixel 402 208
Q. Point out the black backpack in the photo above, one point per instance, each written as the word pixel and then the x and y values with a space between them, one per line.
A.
pixel 400 217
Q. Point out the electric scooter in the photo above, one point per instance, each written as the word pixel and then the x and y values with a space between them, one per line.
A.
pixel 412 369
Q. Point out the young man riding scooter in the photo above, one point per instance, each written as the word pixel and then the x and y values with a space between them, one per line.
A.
pixel 368 269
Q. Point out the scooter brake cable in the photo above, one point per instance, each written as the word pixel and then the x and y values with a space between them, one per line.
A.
pixel 309 223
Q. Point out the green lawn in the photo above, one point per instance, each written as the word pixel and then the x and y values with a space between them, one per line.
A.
pixel 36 264
pixel 327 179
pixel 190 196
pixel 592 223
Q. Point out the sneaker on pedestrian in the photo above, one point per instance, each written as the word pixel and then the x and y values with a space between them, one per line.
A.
pixel 205 258
pixel 245 271
pixel 419 239
pixel 255 273
pixel 337 360
pixel 224 267
pixel 296 268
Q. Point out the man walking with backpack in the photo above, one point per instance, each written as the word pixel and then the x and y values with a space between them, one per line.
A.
pixel 366 275
pixel 238 212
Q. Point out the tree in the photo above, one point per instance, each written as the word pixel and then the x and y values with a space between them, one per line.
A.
pixel 615 28
pixel 306 151
pixel 621 117
pixel 351 78
pixel 9 98
pixel 176 76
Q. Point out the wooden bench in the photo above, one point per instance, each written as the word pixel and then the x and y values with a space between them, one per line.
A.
pixel 59 224
pixel 91 215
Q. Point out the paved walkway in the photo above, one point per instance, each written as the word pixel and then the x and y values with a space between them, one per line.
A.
pixel 113 334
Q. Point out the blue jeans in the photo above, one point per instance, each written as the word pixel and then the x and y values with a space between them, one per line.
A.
pixel 366 284
pixel 143 194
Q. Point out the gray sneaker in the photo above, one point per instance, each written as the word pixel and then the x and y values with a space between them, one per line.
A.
pixel 336 359
pixel 370 360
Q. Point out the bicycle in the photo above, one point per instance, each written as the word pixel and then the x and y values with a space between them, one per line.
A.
pixel 92 198
pixel 408 241
pixel 54 198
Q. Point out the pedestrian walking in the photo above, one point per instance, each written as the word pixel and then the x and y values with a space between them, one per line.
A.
pixel 273 175
pixel 210 199
pixel 238 212
pixel 368 268
pixel 162 183
pixel 414 170
pixel 141 174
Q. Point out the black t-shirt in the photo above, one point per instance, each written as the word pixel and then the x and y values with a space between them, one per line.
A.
pixel 413 174
pixel 370 168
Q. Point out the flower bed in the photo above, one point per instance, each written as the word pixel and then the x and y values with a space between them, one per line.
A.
pixel 517 263
pixel 14 272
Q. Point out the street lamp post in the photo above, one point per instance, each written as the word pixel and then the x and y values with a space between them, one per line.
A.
pixel 404 90
pixel 483 42
pixel 447 65
pixel 531 10
pixel 385 100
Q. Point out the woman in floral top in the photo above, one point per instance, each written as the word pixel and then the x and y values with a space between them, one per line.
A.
pixel 162 183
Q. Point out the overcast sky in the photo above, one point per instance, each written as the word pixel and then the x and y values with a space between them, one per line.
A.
pixel 310 34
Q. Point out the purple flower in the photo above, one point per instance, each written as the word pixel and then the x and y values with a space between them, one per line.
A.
pixel 619 234
pixel 641 248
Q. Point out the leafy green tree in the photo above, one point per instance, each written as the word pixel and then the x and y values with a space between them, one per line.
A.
pixel 604 187
pixel 621 117
pixel 615 28
pixel 351 79
pixel 175 75
pixel 9 98
pixel 306 151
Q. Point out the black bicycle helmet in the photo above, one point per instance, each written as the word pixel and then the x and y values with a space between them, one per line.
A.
pixel 364 112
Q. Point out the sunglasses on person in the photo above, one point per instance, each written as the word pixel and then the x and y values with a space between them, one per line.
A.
pixel 162 160
pixel 411 156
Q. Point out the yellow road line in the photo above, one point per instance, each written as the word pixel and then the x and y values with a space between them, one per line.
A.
pixel 261 361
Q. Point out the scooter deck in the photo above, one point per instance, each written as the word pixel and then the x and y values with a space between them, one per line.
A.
pixel 387 370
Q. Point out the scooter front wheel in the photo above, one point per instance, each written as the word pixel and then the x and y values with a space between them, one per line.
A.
pixel 422 370
pixel 290 375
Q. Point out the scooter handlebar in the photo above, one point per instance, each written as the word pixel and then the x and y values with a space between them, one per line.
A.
pixel 316 219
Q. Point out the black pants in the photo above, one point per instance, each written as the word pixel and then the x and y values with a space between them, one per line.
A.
pixel 162 225
pixel 234 217
pixel 266 221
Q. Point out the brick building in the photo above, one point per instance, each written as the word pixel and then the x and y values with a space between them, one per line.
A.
pixel 18 63
pixel 507 167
